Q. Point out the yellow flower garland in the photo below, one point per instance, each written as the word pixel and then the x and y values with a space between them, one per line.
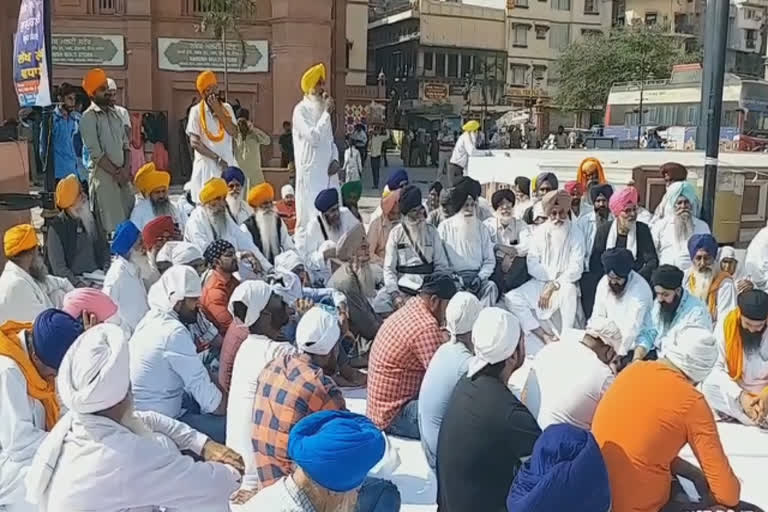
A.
pixel 204 121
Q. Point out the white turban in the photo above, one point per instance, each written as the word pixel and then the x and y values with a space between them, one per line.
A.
pixel 728 252
pixel 461 313
pixel 111 85
pixel 179 253
pixel 318 332
pixel 495 337
pixel 255 295
pixel 286 284
pixel 178 283
pixel 692 349
pixel 287 190
pixel 605 330
pixel 288 260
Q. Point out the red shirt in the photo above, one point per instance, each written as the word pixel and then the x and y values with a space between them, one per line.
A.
pixel 215 299
pixel 288 214
pixel 235 336
pixel 398 361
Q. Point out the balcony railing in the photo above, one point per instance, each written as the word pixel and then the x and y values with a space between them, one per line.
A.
pixel 108 6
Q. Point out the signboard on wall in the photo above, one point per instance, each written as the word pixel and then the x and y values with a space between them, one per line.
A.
pixel 30 69
pixel 201 54
pixel 435 91
pixel 89 50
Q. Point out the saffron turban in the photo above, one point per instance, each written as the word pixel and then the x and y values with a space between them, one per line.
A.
pixel 148 179
pixel 67 192
pixel 566 471
pixel 53 333
pixel 286 191
pixel 327 199
pixel 260 194
pixel 215 249
pixel 176 284
pixel 702 241
pixel 693 350
pixel 336 449
pixel 674 171
pixel 471 126
pixel 619 261
pixel 352 188
pixel 574 188
pixel 556 199
pixel 523 185
pixel 410 198
pixel 233 174
pixel 125 237
pixel 546 177
pixel 397 179
pixel 684 189
pixel 205 80
pixel 392 201
pixel 18 239
pixel 94 301
pixel 255 295
pixel 311 77
pixel 318 332
pixel 461 313
pixel 442 285
pixel 215 188
pixel 604 190
pixel 753 304
pixel 668 277
pixel 589 167
pixel 350 242
pixel 179 253
pixel 495 336
pixel 93 80
pixel 288 261
pixel 501 195
pixel 623 199
pixel 157 229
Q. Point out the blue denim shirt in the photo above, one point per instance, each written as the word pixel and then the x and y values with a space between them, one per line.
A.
pixel 66 140
pixel 690 312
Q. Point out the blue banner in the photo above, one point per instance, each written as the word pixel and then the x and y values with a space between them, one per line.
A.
pixel 30 71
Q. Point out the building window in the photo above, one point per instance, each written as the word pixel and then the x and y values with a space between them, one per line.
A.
pixel 453 65
pixel 521 3
pixel 466 65
pixel 539 74
pixel 108 6
pixel 440 64
pixel 750 14
pixel 517 74
pixel 559 36
pixel 651 18
pixel 561 5
pixel 429 61
pixel 692 116
pixel 541 31
pixel 750 38
pixel 520 36
pixel 591 7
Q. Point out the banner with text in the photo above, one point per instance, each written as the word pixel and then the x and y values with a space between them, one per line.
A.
pixel 30 70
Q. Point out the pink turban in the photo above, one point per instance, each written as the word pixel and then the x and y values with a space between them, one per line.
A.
pixel 623 198
pixel 91 300
pixel 574 188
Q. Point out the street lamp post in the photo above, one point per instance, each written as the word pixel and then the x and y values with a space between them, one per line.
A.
pixel 640 112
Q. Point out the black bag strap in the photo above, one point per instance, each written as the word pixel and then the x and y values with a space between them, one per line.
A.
pixel 322 228
pixel 415 247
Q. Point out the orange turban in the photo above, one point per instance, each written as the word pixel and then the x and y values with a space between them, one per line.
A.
pixel 67 192
pixel 588 167
pixel 311 77
pixel 215 188
pixel 205 80
pixel 94 79
pixel 18 239
pixel 149 179
pixel 260 194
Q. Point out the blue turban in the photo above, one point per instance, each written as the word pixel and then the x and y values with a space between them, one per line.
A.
pixel 396 179
pixel 233 174
pixel 125 237
pixel 336 449
pixel 565 472
pixel 327 199
pixel 677 189
pixel 703 241
pixel 549 178
pixel 53 332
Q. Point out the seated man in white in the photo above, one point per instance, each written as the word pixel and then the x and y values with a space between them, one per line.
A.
pixel 738 385
pixel 680 223
pixel 706 281
pixel 323 232
pixel 153 186
pixel 264 225
pixel 554 393
pixel 555 263
pixel 468 245
pixel 622 296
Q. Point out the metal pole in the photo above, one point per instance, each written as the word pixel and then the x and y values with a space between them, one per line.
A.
pixel 47 118
pixel 640 111
pixel 706 75
pixel 715 108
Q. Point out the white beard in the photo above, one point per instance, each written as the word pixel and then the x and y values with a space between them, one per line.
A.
pixel 683 228
pixel 703 280
pixel 468 227
pixel 147 272
pixel 218 222
pixel 559 234
pixel 366 278
pixel 270 238
pixel 82 212
pixel 234 203
pixel 317 104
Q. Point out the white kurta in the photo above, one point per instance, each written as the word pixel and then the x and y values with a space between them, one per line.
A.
pixel 204 168
pixel 284 238
pixel 104 467
pixel 627 311
pixel 22 298
pixel 722 392
pixel 516 234
pixel 199 231
pixel 756 261
pixel 126 288
pixel 670 251
pixel 253 356
pixel 726 295
pixel 142 214
pixel 314 150
pixel 468 253
pixel 310 247
pixel 242 213
pixel 401 253
pixel 22 429
pixel 463 149
pixel 587 223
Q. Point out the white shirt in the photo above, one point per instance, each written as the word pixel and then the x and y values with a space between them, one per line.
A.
pixel 244 211
pixel 253 356
pixel 311 252
pixel 353 166
pixel 565 384
pixel 142 214
pixel 126 288
pixel 516 234
pixel 165 365
pixel 670 251
pixel 464 147
pixel 756 261
pixel 22 298
pixel 468 253
pixel 520 207
pixel 587 223
pixel 627 311
pixel 104 467
pixel 401 253
pixel 204 168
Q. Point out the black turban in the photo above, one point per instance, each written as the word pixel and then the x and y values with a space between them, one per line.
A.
pixel 668 277
pixel 501 195
pixel 754 305
pixel 523 185
pixel 463 189
pixel 410 198
pixel 546 177
pixel 604 190
pixel 619 261
pixel 441 285
pixel 437 187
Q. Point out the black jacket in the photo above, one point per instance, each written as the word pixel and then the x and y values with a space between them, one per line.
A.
pixel 646 260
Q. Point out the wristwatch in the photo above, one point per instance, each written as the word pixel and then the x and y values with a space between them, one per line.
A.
pixel 555 285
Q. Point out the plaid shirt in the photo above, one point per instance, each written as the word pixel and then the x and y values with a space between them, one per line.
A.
pixel 289 388
pixel 399 358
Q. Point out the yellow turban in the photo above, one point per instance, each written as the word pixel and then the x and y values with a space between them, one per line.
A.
pixel 149 179
pixel 214 188
pixel 311 77
pixel 19 239
pixel 471 126
pixel 260 194
pixel 205 80
pixel 94 79
pixel 67 192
